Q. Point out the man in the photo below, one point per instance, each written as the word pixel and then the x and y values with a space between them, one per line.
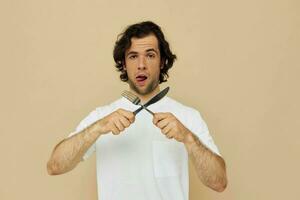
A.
pixel 143 156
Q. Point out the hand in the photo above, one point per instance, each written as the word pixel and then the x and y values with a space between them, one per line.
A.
pixel 116 122
pixel 171 126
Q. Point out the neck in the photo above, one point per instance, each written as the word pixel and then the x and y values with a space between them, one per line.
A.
pixel 146 97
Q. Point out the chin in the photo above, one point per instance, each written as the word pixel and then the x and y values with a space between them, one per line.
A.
pixel 144 90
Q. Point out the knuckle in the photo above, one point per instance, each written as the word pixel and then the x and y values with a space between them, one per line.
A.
pixel 118 111
pixel 174 124
pixel 132 119
pixel 114 115
pixel 114 119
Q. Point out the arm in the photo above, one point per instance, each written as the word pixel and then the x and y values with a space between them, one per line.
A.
pixel 68 153
pixel 209 166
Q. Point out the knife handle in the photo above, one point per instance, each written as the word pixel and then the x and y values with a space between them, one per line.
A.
pixel 138 110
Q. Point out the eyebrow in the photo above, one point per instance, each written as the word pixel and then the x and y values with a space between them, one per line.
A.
pixel 148 50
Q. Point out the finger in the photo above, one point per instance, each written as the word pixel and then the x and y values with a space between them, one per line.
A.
pixel 114 129
pixel 166 130
pixel 158 117
pixel 127 114
pixel 125 122
pixel 119 125
pixel 162 123
pixel 169 135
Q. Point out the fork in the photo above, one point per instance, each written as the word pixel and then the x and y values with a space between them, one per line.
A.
pixel 134 99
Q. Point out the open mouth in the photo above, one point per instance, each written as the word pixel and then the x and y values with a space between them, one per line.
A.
pixel 141 78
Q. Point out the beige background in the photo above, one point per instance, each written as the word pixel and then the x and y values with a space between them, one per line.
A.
pixel 238 64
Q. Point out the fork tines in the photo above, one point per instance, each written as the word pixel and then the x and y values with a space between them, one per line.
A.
pixel 131 97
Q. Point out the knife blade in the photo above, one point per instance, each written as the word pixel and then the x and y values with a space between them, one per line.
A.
pixel 153 100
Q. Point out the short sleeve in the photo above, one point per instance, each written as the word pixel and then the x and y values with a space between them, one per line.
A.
pixel 200 129
pixel 87 121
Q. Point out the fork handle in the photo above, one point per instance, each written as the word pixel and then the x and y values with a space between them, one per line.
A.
pixel 141 108
pixel 148 110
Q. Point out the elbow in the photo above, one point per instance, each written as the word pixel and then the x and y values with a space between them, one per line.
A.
pixel 221 182
pixel 52 168
pixel 57 168
pixel 220 186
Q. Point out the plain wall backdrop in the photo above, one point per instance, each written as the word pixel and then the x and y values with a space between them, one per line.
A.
pixel 238 64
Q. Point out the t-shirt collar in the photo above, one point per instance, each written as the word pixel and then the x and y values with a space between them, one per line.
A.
pixel 132 106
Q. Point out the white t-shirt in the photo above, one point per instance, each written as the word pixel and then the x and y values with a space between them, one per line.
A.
pixel 141 163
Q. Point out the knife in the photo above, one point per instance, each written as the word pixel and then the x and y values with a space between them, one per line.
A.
pixel 153 100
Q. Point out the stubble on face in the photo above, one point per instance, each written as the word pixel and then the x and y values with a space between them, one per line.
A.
pixel 145 48
pixel 150 88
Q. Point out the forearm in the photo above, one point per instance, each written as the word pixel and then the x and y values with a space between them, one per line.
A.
pixel 68 153
pixel 209 166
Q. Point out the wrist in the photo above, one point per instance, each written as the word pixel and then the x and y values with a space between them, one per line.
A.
pixel 189 138
pixel 101 126
pixel 95 130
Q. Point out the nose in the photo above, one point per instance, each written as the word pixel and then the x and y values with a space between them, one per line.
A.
pixel 142 63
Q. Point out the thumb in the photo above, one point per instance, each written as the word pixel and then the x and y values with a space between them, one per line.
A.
pixel 157 117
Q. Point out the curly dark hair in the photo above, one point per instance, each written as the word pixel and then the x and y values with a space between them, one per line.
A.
pixel 141 30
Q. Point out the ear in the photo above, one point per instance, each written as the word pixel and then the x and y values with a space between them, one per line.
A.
pixel 162 64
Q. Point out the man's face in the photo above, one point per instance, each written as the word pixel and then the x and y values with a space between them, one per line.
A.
pixel 142 63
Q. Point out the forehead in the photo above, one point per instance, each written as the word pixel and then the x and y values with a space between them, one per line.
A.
pixel 142 44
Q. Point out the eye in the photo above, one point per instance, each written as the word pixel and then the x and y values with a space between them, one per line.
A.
pixel 151 55
pixel 132 56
